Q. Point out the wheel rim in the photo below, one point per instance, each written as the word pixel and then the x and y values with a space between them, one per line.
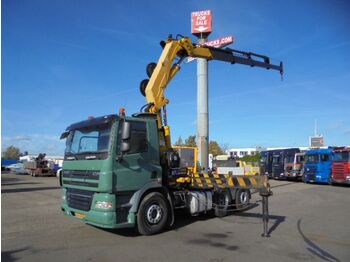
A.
pixel 243 197
pixel 223 201
pixel 154 214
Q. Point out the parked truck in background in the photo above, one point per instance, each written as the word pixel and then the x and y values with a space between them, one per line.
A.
pixel 281 159
pixel 318 165
pixel 341 166
pixel 266 162
pixel 294 170
pixel 224 164
pixel 121 171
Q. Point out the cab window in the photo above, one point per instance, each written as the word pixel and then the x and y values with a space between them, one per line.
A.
pixel 325 158
pixel 138 138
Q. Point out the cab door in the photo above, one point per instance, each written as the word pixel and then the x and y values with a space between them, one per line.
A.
pixel 141 163
pixel 326 167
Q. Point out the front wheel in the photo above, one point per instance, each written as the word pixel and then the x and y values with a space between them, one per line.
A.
pixel 152 215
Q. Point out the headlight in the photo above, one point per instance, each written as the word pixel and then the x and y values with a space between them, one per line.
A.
pixel 347 177
pixel 104 204
pixel 63 197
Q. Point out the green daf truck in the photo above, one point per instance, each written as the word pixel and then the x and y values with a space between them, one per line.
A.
pixel 121 171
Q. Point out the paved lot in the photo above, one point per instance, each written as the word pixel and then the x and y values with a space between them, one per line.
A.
pixel 307 223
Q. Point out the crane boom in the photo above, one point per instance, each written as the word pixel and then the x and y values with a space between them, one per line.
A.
pixel 174 52
pixel 181 48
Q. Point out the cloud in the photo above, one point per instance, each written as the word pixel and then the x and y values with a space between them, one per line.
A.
pixel 35 143
pixel 347 131
pixel 17 138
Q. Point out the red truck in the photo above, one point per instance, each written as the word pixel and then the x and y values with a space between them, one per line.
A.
pixel 341 166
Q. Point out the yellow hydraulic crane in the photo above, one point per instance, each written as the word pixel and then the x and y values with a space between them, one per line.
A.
pixel 174 52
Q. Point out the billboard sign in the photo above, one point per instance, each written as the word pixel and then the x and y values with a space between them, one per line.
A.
pixel 316 141
pixel 218 43
pixel 201 22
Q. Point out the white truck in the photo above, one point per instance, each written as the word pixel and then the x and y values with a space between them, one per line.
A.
pixel 225 164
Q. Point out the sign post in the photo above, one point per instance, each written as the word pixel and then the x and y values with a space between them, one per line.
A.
pixel 202 27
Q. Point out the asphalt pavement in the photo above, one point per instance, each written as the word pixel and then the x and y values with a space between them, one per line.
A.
pixel 307 223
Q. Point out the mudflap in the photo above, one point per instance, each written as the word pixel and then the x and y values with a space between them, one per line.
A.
pixel 171 216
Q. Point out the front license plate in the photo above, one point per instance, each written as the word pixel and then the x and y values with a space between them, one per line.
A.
pixel 79 215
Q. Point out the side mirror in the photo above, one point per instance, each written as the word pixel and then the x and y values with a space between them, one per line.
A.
pixel 124 146
pixel 126 130
pixel 64 135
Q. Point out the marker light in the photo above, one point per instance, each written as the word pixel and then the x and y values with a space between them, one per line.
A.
pixel 122 111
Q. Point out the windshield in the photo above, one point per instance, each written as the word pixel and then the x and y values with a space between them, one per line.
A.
pixel 309 159
pixel 276 159
pixel 89 140
pixel 341 156
pixel 289 159
pixel 225 163
pixel 300 159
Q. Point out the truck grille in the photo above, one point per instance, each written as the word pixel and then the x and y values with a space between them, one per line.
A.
pixel 338 169
pixel 89 174
pixel 310 172
pixel 79 199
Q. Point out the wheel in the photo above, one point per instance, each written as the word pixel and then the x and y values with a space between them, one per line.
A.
pixel 222 202
pixel 242 198
pixel 152 214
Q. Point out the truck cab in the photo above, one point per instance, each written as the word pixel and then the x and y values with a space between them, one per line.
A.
pixel 341 166
pixel 282 161
pixel 294 168
pixel 266 163
pixel 318 165
pixel 101 183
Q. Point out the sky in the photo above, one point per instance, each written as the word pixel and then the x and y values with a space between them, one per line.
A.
pixel 62 61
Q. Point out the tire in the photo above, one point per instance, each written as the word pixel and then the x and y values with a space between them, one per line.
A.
pixel 242 198
pixel 222 201
pixel 152 215
pixel 150 68
pixel 143 86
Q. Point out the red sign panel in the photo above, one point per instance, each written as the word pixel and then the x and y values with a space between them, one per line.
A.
pixel 201 22
pixel 220 42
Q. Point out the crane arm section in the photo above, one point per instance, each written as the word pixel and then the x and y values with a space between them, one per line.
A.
pixel 167 66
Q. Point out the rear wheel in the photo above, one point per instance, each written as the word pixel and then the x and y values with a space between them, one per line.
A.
pixel 152 215
pixel 242 198
pixel 222 202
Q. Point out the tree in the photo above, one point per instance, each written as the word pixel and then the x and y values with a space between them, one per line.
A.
pixel 225 148
pixel 191 141
pixel 11 153
pixel 215 149
pixel 179 142
pixel 252 159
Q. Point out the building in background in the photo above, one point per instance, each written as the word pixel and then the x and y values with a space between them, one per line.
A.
pixel 247 151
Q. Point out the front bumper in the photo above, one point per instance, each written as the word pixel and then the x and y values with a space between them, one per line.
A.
pixel 97 217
